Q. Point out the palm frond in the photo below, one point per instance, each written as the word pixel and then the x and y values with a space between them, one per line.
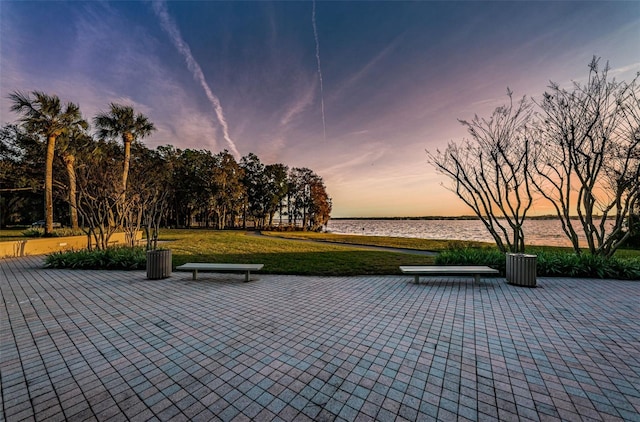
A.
pixel 121 121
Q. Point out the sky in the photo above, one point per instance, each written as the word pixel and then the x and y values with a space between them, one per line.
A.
pixel 355 91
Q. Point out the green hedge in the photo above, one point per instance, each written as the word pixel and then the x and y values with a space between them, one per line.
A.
pixel 473 256
pixel 550 264
pixel 39 232
pixel 115 258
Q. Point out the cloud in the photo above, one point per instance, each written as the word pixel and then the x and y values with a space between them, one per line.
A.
pixel 273 153
pixel 192 129
pixel 315 35
pixel 133 74
pixel 633 67
pixel 357 76
pixel 299 105
pixel 170 27
pixel 344 169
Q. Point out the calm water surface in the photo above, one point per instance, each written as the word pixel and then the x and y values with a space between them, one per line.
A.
pixel 537 232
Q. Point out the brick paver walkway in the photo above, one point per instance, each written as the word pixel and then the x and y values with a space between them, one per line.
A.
pixel 98 345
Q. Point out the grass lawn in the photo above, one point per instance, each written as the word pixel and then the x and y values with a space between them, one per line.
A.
pixel 391 242
pixel 422 244
pixel 281 256
pixel 12 234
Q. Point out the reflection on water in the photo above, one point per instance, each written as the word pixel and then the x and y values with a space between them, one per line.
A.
pixel 537 232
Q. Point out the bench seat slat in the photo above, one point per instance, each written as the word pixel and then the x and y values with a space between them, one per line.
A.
pixel 194 267
pixel 475 270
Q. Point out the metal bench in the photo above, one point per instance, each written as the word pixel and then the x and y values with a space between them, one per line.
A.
pixel 476 271
pixel 194 267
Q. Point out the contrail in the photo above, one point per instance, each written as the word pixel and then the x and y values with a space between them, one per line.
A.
pixel 315 34
pixel 170 27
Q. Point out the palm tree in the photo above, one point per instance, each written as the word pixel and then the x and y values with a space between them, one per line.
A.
pixel 121 121
pixel 70 144
pixel 44 115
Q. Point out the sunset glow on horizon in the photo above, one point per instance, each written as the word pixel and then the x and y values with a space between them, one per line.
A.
pixel 355 91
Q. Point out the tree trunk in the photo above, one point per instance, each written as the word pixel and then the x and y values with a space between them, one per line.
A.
pixel 48 186
pixel 126 138
pixel 69 161
pixel 244 216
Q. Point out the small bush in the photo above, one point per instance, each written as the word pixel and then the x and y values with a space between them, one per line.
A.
pixel 549 264
pixel 284 228
pixel 633 241
pixel 473 256
pixel 587 266
pixel 115 258
pixel 39 232
pixel 68 231
pixel 33 232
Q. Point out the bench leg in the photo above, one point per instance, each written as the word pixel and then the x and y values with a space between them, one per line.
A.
pixel 417 279
pixel 477 278
pixel 247 276
pixel 194 275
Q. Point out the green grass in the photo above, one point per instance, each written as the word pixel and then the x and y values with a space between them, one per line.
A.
pixel 281 256
pixel 12 234
pixel 391 242
pixel 424 244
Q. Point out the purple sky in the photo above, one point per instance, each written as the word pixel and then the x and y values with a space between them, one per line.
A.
pixel 244 76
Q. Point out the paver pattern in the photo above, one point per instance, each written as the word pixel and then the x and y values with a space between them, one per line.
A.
pixel 111 345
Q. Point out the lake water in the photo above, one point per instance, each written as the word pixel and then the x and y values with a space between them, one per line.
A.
pixel 537 232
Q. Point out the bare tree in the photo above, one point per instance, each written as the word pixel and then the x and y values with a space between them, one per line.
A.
pixel 99 194
pixel 150 188
pixel 587 160
pixel 490 171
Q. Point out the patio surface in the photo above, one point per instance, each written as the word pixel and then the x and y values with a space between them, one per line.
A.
pixel 99 345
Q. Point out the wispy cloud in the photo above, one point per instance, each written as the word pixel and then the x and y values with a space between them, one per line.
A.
pixel 368 67
pixel 131 73
pixel 315 35
pixel 359 159
pixel 274 152
pixel 170 27
pixel 298 106
pixel 634 67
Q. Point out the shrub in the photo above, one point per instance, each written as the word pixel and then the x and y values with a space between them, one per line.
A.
pixel 39 232
pixel 634 239
pixel 33 232
pixel 473 256
pixel 68 231
pixel 115 258
pixel 549 264
pixel 556 264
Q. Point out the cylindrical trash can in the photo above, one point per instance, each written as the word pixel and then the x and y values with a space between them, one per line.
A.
pixel 521 269
pixel 158 264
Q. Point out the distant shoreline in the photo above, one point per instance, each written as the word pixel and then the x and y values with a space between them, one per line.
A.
pixel 461 217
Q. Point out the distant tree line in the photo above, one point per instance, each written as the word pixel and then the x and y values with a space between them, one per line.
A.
pixel 109 180
pixel 576 148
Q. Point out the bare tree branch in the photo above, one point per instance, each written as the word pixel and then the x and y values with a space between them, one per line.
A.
pixel 490 171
